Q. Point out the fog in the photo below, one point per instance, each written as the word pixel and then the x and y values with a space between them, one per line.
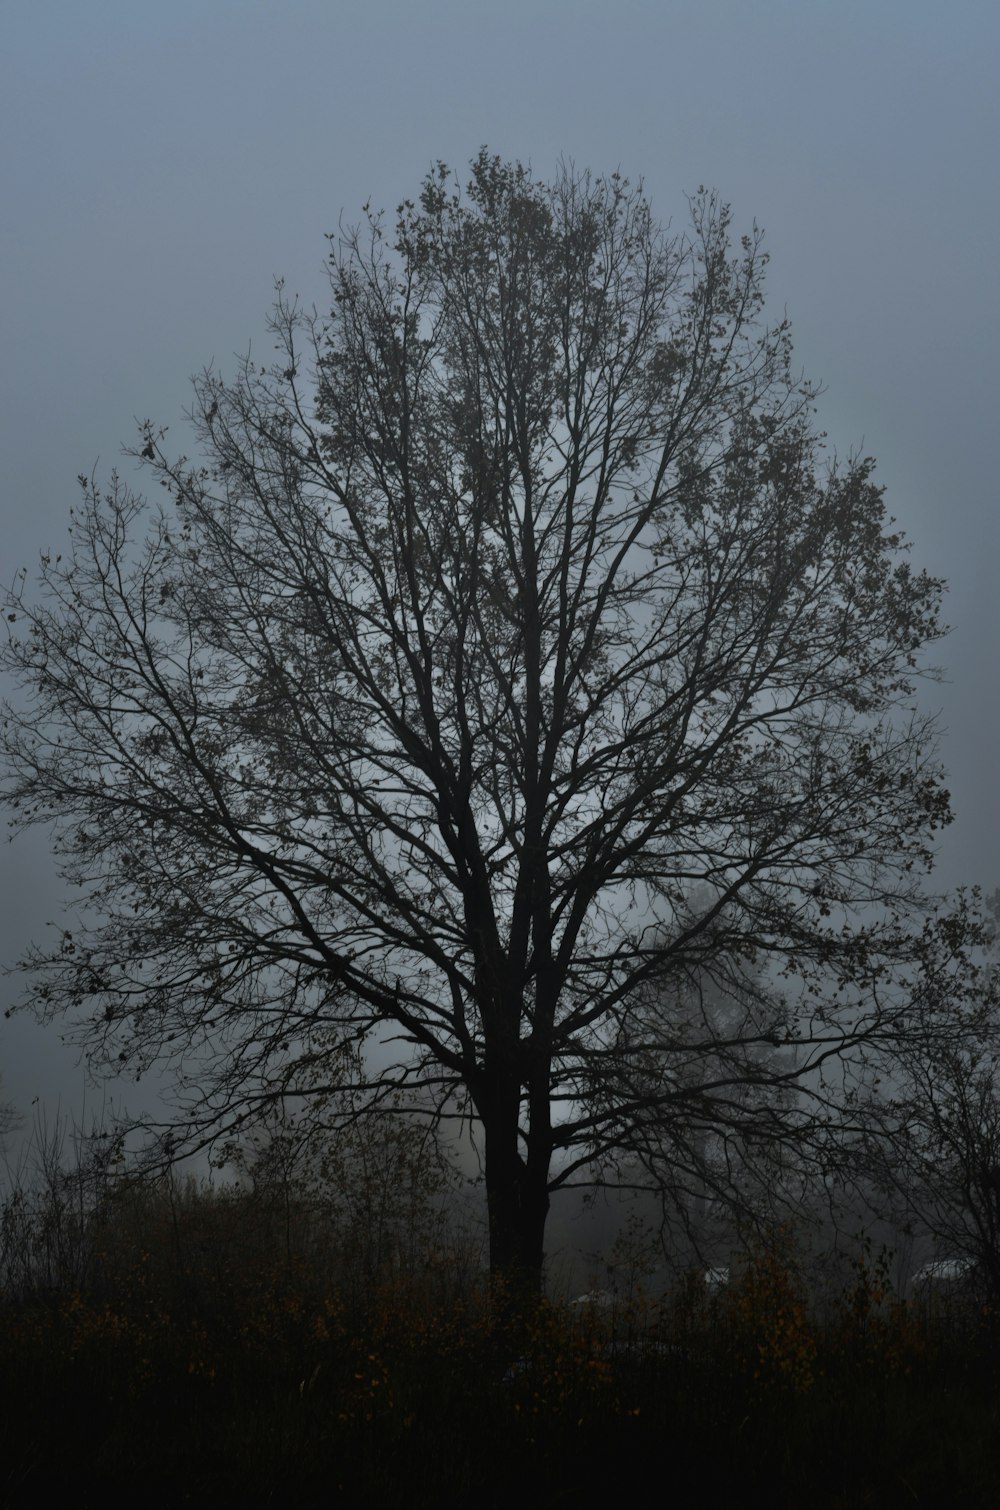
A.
pixel 164 164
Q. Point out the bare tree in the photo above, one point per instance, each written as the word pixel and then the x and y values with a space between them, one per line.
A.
pixel 934 1133
pixel 708 1066
pixel 512 653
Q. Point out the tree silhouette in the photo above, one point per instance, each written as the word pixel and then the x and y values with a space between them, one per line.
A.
pixel 511 656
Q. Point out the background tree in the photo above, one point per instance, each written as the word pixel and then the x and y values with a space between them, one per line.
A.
pixel 934 1133
pixel 365 1199
pixel 512 653
pixel 719 1087
pixel 945 1156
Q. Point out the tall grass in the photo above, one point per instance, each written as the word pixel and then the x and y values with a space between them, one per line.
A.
pixel 191 1344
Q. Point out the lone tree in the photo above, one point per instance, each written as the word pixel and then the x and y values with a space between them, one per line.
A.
pixel 510 664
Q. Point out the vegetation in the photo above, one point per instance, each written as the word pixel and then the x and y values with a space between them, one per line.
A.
pixel 511 688
pixel 216 1347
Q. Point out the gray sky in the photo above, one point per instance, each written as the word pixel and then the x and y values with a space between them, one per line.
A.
pixel 162 163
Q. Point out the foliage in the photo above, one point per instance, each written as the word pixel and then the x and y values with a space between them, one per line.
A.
pixel 772 1315
pixel 380 1198
pixel 278 1385
pixel 360 1210
pixel 511 666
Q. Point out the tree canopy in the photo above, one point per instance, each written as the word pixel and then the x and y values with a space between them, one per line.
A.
pixel 511 667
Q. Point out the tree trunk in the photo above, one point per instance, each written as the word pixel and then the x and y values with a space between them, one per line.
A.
pixel 517 1201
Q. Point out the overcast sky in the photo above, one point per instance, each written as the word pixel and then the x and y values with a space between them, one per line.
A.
pixel 162 163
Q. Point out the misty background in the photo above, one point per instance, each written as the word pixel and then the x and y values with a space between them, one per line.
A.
pixel 162 165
